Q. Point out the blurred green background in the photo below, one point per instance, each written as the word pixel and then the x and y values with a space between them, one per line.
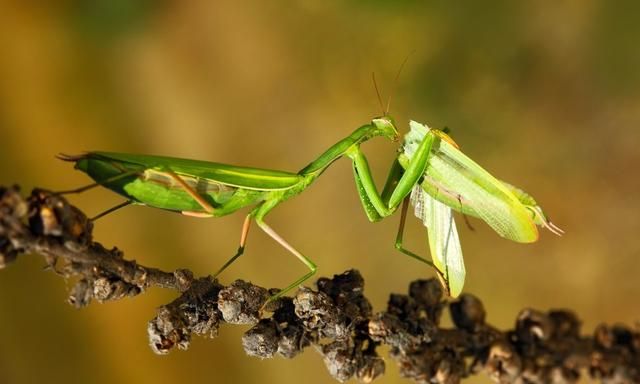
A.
pixel 544 95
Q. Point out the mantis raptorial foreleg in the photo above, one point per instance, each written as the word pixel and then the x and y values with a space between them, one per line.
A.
pixel 367 205
pixel 397 188
pixel 367 190
pixel 395 173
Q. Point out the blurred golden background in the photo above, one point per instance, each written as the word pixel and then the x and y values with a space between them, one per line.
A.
pixel 544 96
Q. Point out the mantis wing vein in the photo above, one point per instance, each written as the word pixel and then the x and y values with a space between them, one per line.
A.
pixel 489 198
pixel 444 242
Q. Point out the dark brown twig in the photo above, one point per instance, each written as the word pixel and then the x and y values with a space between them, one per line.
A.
pixel 336 319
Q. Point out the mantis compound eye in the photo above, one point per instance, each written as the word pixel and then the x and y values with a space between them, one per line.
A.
pixel 386 127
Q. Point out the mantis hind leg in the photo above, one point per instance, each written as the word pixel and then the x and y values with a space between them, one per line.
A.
pixel 193 193
pixel 99 183
pixel 243 241
pixel 109 180
pixel 305 260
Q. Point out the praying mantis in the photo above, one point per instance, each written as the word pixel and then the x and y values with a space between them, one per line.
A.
pixel 431 166
pixel 454 181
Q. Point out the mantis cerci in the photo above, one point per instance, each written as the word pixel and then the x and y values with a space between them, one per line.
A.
pixel 431 165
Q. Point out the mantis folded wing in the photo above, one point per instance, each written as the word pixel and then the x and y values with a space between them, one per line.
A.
pixel 453 180
pixel 457 181
pixel 444 242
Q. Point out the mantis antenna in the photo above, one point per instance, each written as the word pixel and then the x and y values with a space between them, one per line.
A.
pixel 395 82
pixel 385 110
pixel 375 85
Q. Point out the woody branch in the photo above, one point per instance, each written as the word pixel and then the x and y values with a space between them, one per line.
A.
pixel 336 317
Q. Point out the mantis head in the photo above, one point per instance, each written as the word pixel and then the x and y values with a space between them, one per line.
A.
pixel 385 126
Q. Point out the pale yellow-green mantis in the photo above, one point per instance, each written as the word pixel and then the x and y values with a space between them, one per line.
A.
pixel 454 181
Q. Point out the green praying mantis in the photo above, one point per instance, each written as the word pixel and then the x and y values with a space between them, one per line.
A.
pixel 454 181
pixel 431 172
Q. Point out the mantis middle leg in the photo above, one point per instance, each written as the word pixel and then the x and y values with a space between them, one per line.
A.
pixel 243 241
pixel 209 211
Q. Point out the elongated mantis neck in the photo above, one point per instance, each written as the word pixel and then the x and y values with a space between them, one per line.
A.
pixel 339 149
